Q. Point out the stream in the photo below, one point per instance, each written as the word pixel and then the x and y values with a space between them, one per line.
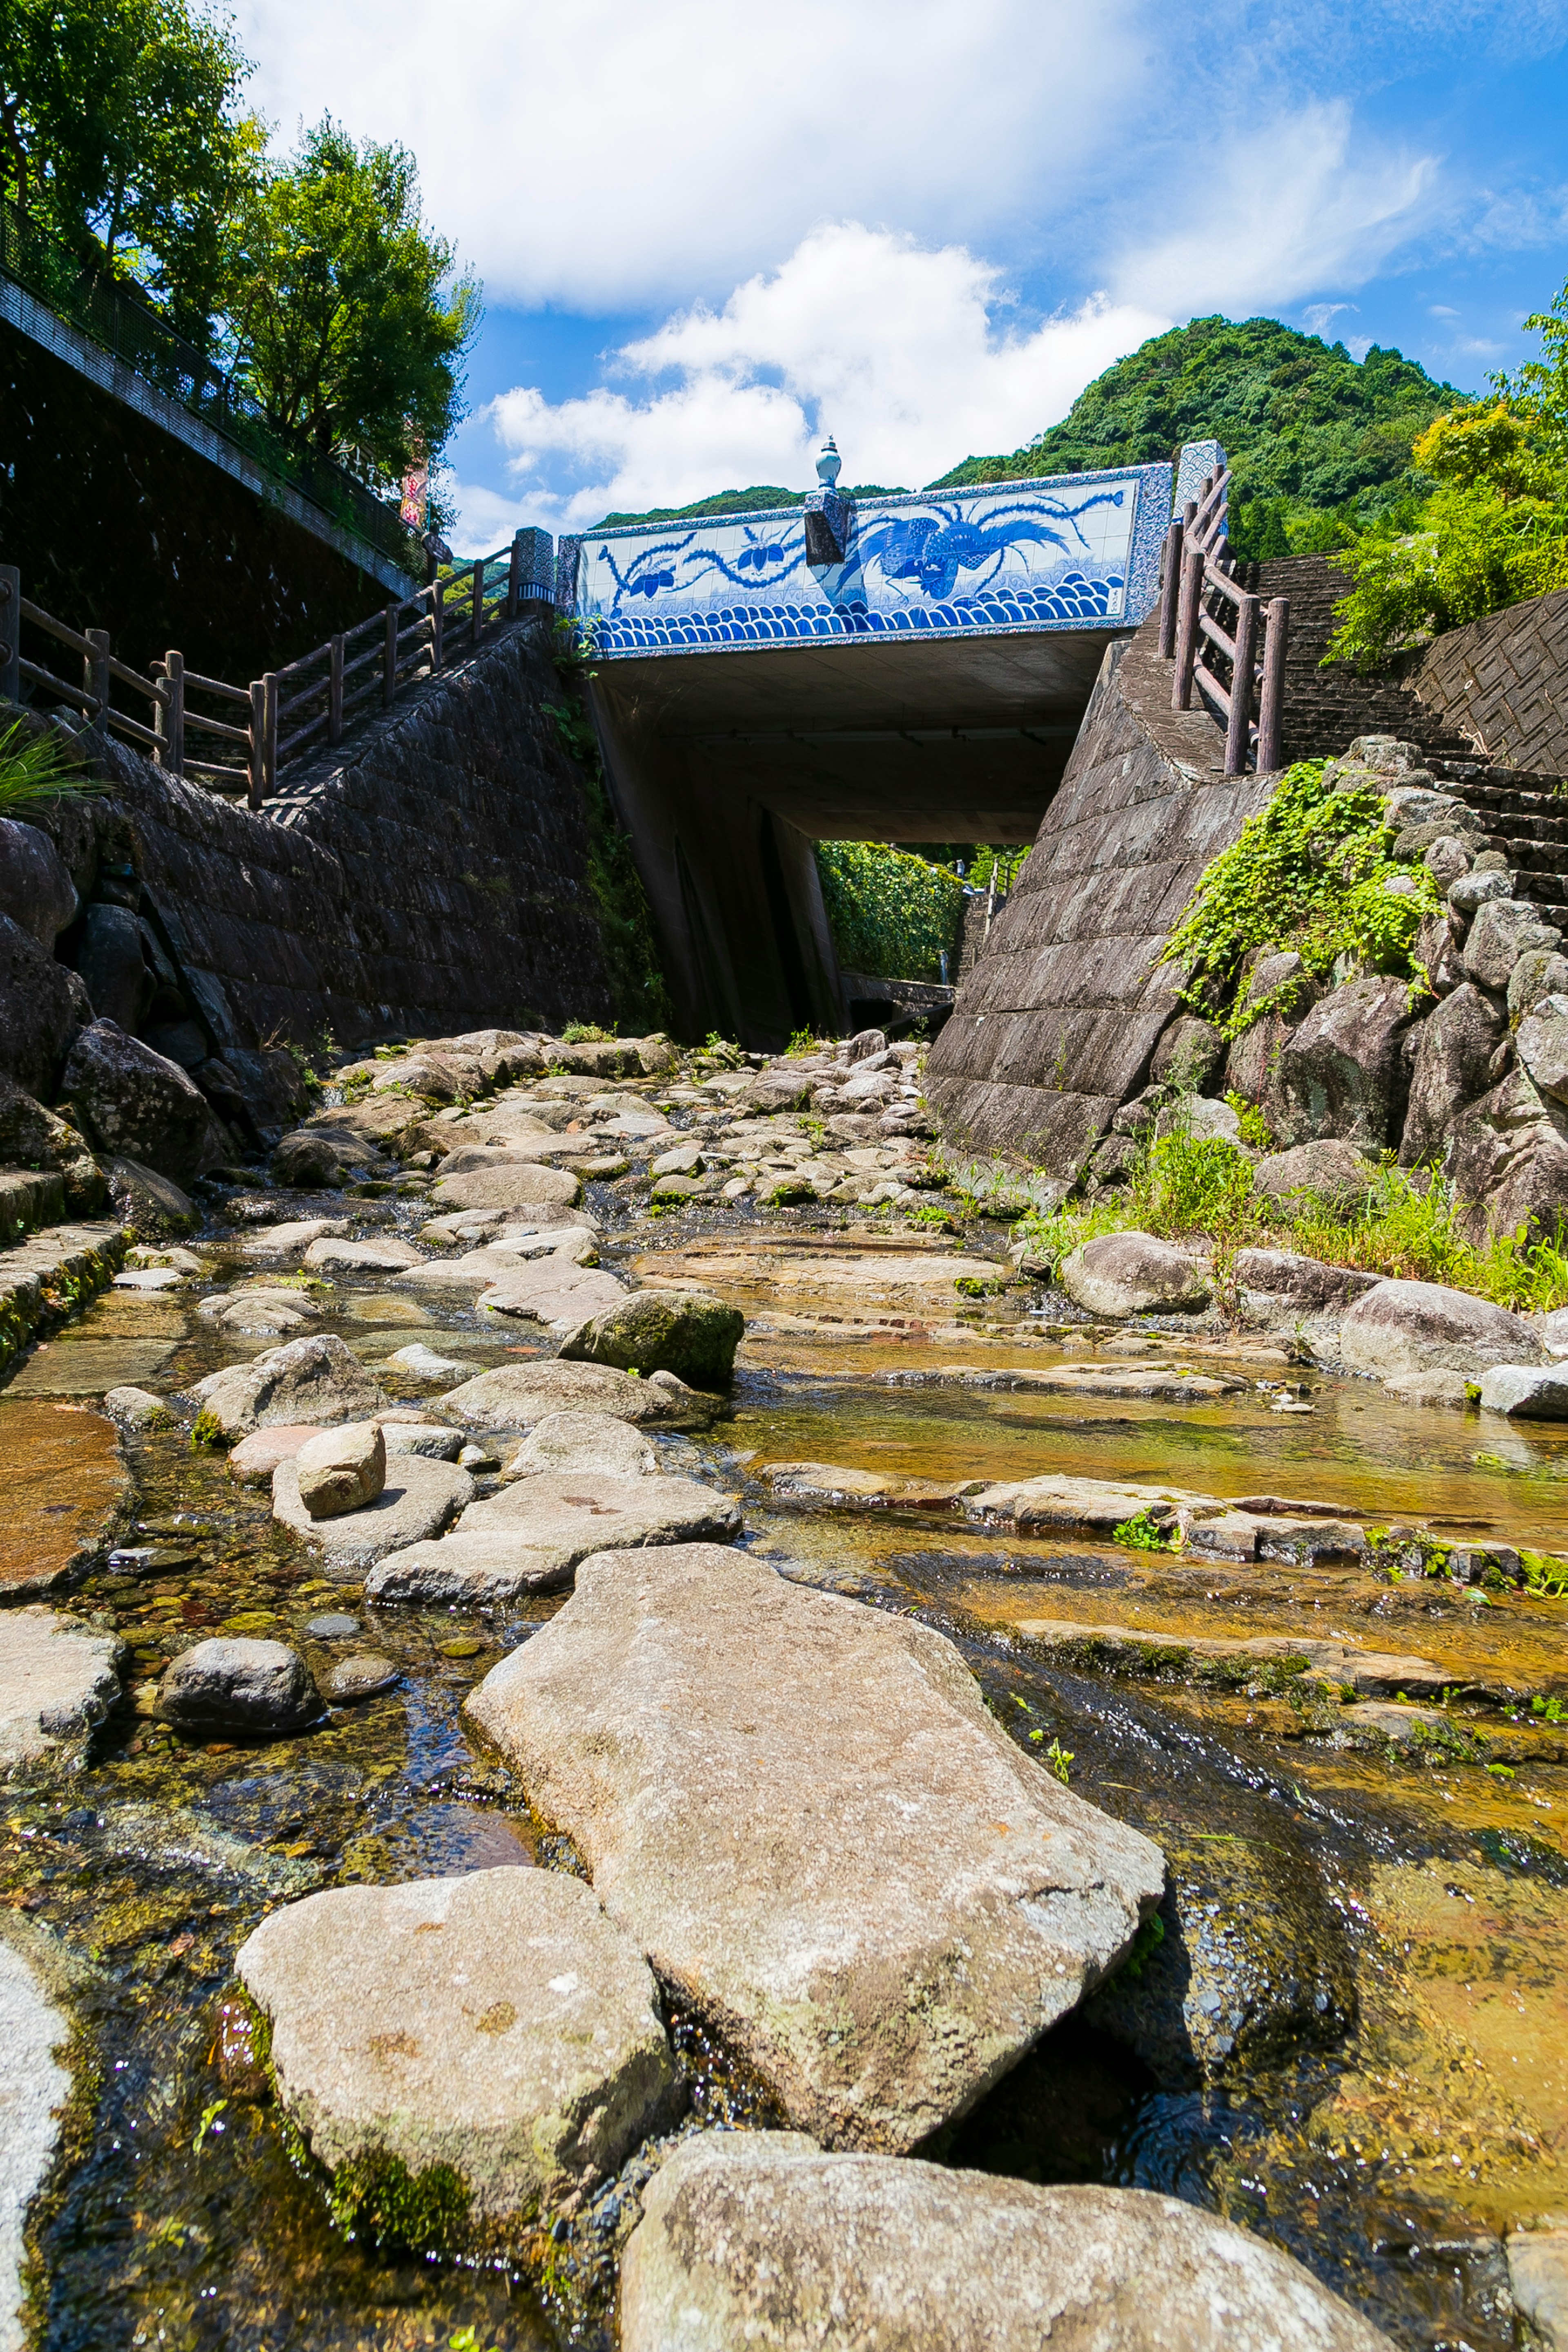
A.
pixel 1375 1935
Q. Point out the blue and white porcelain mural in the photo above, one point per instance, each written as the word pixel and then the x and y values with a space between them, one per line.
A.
pixel 1071 551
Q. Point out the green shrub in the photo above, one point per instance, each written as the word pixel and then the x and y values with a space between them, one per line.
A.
pixel 34 768
pixel 1311 872
pixel 891 914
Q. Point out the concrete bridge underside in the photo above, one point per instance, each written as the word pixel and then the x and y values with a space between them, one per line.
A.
pixel 726 766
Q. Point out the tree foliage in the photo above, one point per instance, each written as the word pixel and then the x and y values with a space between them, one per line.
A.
pixel 893 915
pixel 1317 442
pixel 350 324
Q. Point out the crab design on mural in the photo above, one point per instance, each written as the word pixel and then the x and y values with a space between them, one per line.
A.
pixel 934 549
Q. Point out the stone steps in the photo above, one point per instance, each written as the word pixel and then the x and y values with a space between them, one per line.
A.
pixel 48 1276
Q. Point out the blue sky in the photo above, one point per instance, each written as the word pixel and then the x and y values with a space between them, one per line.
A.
pixel 709 238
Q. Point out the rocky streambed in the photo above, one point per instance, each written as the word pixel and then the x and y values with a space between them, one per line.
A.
pixel 982 1755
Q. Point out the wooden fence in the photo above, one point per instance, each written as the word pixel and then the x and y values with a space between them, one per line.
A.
pixel 1238 670
pixel 254 731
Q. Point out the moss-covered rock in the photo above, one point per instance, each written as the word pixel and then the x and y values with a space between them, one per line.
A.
pixel 686 1332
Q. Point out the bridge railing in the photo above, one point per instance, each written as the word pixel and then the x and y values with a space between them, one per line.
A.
pixel 288 712
pixel 1239 670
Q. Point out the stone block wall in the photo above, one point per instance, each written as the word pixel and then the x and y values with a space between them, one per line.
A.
pixel 1055 1027
pixel 1503 684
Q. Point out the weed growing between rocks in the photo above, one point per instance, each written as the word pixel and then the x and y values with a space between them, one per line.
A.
pixel 1311 872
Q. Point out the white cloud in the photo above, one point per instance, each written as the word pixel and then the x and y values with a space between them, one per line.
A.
pixel 610 156
pixel 1319 316
pixel 1286 208
pixel 891 346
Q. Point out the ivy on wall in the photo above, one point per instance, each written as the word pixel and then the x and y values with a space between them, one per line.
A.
pixel 891 914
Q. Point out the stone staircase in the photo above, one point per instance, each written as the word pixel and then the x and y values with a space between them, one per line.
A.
pixel 1523 814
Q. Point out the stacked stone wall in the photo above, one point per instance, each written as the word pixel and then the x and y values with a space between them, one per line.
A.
pixel 1503 684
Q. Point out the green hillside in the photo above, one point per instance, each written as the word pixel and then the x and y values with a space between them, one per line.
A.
pixel 756 501
pixel 1317 442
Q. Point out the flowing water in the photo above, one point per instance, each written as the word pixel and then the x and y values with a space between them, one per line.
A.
pixel 1373 1938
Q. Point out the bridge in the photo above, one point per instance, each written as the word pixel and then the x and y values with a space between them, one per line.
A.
pixel 900 667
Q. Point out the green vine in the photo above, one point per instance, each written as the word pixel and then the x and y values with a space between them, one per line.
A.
pixel 891 914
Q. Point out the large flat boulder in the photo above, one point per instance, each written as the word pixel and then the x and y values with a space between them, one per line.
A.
pixel 1118 1274
pixel 417 1502
pixel 530 1536
pixel 58 1681
pixel 686 1332
pixel 516 1184
pixel 471 1570
pixel 760 2238
pixel 498 2023
pixel 514 1396
pixel 1424 1327
pixel 803 1812
pixel 547 1290
pixel 33 2087
pixel 318 1380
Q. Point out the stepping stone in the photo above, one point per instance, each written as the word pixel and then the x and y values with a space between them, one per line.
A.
pixel 33 2087
pixel 584 1441
pixel 235 1684
pixel 548 1292
pixel 804 1812
pixel 529 1537
pixel 150 1277
pixel 425 1364
pixel 71 1367
pixel 761 2239
pixel 365 1676
pixel 514 1396
pixel 498 2023
pixel 287 1240
pixel 255 1458
pixel 477 1269
pixel 139 1409
pixel 57 1681
pixel 319 1379
pixel 331 1256
pixel 516 1185
pixel 417 1500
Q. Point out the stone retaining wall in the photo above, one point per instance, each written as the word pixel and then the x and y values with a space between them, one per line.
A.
pixel 1054 1029
pixel 1503 682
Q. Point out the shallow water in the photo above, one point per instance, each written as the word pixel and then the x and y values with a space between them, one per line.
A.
pixel 1388 1926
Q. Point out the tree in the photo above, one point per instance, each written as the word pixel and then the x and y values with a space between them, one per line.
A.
pixel 349 323
pixel 123 132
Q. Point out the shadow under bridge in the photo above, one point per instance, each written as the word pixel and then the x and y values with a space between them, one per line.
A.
pixel 887 667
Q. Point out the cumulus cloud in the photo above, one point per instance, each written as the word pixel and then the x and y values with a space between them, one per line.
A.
pixel 907 354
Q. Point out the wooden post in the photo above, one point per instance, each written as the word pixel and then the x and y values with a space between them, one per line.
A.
pixel 335 690
pixel 1238 734
pixel 479 598
pixel 438 595
pixel 95 673
pixel 1186 646
pixel 169 721
pixel 514 577
pixel 389 659
pixel 1170 590
pixel 257 759
pixel 1271 700
pixel 10 632
pixel 269 733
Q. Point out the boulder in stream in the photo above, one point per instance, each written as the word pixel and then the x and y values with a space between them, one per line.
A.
pixel 762 2238
pixel 686 1332
pixel 530 1536
pixel 1424 1327
pixel 1118 1274
pixel 319 1380
pixel 229 1684
pixel 498 2025
pixel 341 1469
pixel 836 1855
pixel 515 1396
pixel 416 1502
pixel 583 1441
pixel 59 1678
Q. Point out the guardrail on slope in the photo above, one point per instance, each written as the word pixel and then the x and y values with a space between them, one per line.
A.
pixel 1237 670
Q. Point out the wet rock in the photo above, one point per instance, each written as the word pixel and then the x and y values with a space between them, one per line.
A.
pixel 260 1311
pixel 468 1571
pixel 34 2088
pixel 1401 1727
pixel 1452 1069
pixel 685 1159
pixel 254 1458
pixel 1537 2277
pixel 1120 1274
pixel 1339 1070
pixel 843 1859
pixel 319 1158
pixel 1508 1162
pixel 552 1290
pixel 516 1185
pixel 1526 1391
pixel 318 1380
pixel 497 2023
pixel 515 1396
pixel 341 1470
pixel 139 1409
pixel 583 1441
pixel 676 1188
pixel 365 1676
pixel 131 1101
pixel 1504 930
pixel 424 1437
pixel 1450 1390
pixel 232 1684
pixel 151 1207
pixel 1189 1053
pixel 289 1239
pixel 417 1502
pixel 422 1363
pixel 761 2239
pixel 331 1254
pixel 685 1332
pixel 335 1626
pixel 57 1681
pixel 1303 1282
pixel 1332 1173
pixel 42 1007
pixel 1420 1327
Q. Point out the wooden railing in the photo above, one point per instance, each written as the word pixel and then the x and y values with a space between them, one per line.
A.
pixel 1238 670
pixel 286 712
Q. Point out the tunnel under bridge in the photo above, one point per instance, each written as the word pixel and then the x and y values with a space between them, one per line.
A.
pixel 901 668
